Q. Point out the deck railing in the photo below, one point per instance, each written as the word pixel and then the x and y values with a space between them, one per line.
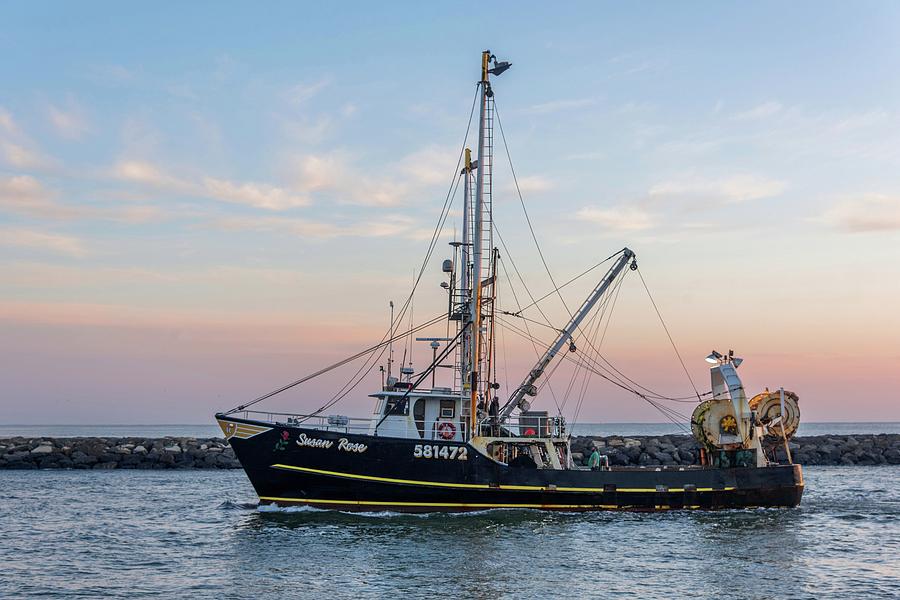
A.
pixel 521 426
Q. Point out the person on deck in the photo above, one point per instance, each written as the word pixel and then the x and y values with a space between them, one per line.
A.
pixel 493 412
pixel 594 460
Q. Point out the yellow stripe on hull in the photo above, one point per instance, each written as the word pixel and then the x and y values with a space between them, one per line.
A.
pixel 481 486
pixel 435 504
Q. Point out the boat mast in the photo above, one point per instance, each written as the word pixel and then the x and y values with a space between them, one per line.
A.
pixel 481 233
pixel 465 278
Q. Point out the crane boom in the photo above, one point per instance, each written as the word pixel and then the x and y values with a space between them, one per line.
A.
pixel 527 387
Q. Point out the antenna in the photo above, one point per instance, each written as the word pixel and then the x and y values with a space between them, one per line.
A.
pixel 391 344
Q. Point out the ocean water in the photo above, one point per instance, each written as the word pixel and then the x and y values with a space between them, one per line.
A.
pixel 212 430
pixel 146 534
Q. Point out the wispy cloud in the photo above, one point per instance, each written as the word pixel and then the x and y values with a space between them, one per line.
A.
pixel 559 105
pixel 69 122
pixel 307 130
pixel 618 218
pixel 865 214
pixel 761 111
pixel 111 74
pixel 143 172
pixel 337 178
pixel 388 226
pixel 596 155
pixel 25 195
pixel 429 165
pixel 257 195
pixel 16 149
pixel 7 123
pixel 21 157
pixel 304 91
pixel 42 241
pixel 725 190
pixel 631 63
pixel 532 184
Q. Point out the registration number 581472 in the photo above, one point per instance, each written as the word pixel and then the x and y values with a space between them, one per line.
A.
pixel 438 451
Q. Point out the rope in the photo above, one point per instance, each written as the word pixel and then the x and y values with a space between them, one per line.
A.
pixel 525 211
pixel 667 412
pixel 435 236
pixel 537 352
pixel 548 294
pixel 674 347
pixel 451 345
pixel 331 367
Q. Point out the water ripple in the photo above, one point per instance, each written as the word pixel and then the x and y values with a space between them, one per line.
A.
pixel 135 534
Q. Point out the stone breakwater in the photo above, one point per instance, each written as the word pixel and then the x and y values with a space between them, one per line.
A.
pixel 214 453
pixel 116 453
pixel 864 449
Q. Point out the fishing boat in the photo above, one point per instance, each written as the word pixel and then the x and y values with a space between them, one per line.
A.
pixel 473 445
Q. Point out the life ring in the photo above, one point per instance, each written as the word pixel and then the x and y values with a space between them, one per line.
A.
pixel 446 430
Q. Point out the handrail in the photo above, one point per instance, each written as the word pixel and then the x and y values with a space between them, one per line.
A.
pixel 521 426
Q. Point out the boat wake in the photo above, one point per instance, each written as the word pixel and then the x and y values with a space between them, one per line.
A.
pixel 231 505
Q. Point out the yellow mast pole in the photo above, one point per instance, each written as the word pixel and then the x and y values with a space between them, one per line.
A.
pixel 477 254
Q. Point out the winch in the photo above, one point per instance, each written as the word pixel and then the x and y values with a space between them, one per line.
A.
pixel 732 429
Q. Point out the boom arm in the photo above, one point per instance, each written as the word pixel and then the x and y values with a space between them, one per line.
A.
pixel 527 388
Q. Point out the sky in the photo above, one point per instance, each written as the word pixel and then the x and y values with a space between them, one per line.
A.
pixel 201 202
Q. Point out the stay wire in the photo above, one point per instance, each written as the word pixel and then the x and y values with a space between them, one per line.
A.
pixel 451 345
pixel 593 325
pixel 612 308
pixel 577 277
pixel 525 211
pixel 671 341
pixel 333 366
pixel 366 367
pixel 537 352
pixel 454 184
pixel 667 412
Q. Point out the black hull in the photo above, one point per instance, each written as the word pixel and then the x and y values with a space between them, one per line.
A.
pixel 386 475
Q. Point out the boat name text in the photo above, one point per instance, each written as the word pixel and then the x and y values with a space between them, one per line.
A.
pixel 303 440
pixel 343 444
pixel 348 446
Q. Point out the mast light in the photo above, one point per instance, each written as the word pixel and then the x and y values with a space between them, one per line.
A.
pixel 714 357
pixel 499 67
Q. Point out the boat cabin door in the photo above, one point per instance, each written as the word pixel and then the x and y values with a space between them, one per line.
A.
pixel 437 419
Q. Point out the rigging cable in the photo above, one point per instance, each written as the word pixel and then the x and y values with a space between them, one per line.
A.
pixel 538 245
pixel 541 253
pixel 579 276
pixel 451 345
pixel 525 211
pixel 451 192
pixel 340 363
pixel 597 318
pixel 359 376
pixel 537 352
pixel 674 347
pixel 612 307
pixel 667 412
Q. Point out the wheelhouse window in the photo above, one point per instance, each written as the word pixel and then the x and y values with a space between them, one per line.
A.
pixel 448 409
pixel 391 408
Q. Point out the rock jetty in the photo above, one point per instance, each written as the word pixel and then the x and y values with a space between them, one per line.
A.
pixel 866 449
pixel 116 453
pixel 214 453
